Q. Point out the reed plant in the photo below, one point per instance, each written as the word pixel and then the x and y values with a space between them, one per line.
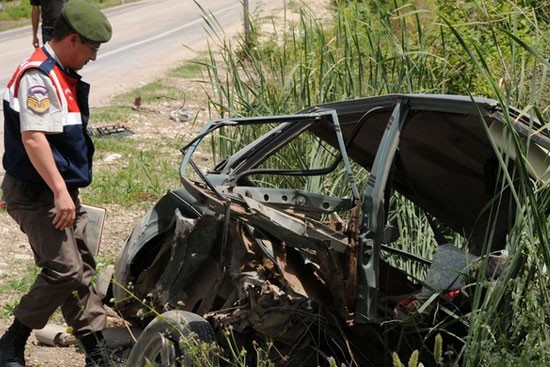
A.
pixel 493 49
pixel 510 324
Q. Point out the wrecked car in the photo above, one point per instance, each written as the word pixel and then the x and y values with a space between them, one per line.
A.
pixel 266 247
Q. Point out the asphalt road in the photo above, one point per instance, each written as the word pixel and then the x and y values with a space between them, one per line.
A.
pixel 150 37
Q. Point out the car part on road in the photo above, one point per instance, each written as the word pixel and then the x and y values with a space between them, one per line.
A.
pixel 110 130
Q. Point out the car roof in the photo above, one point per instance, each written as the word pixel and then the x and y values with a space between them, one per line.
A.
pixel 445 162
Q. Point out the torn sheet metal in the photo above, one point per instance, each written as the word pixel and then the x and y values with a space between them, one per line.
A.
pixel 304 232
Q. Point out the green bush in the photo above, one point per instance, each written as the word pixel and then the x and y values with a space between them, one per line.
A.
pixel 14 10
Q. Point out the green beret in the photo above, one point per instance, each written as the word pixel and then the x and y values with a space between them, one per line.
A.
pixel 87 20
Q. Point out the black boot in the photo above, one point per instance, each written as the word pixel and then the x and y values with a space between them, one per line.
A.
pixel 12 345
pixel 95 347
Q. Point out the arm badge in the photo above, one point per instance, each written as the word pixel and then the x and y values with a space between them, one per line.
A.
pixel 38 99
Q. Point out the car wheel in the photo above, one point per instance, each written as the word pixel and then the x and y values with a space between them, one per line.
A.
pixel 173 339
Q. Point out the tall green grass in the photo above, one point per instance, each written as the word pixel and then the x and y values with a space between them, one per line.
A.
pixel 493 49
pixel 308 62
pixel 511 324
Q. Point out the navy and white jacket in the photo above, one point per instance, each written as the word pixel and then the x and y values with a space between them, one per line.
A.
pixel 73 148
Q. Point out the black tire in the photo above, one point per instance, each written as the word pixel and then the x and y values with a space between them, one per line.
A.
pixel 171 339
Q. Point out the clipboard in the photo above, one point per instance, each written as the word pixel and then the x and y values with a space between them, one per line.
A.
pixel 94 229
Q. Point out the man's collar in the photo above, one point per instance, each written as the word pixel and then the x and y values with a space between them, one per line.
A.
pixel 51 52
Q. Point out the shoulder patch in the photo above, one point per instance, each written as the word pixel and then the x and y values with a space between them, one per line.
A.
pixel 38 99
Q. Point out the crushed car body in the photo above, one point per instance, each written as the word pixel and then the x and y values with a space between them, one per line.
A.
pixel 261 246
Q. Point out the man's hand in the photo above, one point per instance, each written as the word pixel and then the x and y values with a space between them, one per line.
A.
pixel 65 212
pixel 35 41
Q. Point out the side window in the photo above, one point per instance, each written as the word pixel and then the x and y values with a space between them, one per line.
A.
pixel 305 163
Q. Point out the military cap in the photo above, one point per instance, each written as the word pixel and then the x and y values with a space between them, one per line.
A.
pixel 87 20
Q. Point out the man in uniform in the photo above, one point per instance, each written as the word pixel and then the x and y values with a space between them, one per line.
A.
pixel 47 158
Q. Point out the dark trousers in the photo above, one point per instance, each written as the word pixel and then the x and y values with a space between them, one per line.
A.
pixel 47 33
pixel 67 265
